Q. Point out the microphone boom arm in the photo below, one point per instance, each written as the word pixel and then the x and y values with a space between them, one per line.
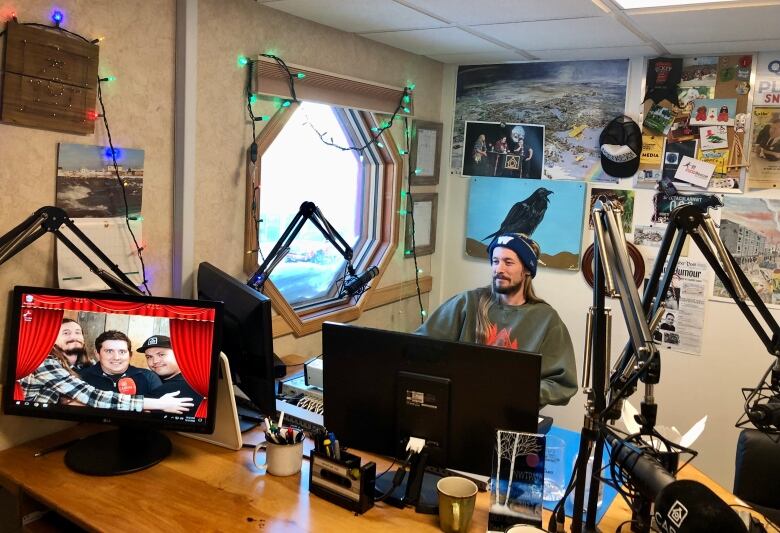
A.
pixel 51 219
pixel 307 212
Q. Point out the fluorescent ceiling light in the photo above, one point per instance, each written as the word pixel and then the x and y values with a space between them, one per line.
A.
pixel 638 4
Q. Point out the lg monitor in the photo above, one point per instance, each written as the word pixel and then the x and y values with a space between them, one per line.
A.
pixel 247 338
pixel 144 364
pixel 381 387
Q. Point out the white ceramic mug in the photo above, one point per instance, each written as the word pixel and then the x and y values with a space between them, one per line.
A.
pixel 457 497
pixel 280 459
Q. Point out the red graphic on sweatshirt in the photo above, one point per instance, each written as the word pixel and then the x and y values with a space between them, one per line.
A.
pixel 500 338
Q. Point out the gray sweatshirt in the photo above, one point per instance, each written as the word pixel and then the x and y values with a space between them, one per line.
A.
pixel 531 327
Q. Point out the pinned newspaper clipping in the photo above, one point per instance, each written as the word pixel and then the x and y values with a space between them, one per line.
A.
pixel 682 323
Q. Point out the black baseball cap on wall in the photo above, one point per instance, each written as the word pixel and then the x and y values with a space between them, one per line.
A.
pixel 621 145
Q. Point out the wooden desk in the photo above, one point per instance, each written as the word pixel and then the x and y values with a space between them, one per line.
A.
pixel 203 487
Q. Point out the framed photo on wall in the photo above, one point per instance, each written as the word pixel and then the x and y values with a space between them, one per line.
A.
pixel 425 153
pixel 423 210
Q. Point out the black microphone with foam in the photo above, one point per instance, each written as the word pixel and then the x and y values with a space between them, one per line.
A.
pixel 356 285
pixel 646 473
pixel 765 416
pixel 681 506
pixel 687 506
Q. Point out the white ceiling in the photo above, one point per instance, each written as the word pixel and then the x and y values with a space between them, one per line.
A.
pixel 497 31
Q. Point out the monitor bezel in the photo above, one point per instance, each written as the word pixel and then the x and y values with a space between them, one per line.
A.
pixel 97 415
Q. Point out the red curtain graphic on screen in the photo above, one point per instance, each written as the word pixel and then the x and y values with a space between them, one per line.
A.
pixel 37 332
pixel 191 341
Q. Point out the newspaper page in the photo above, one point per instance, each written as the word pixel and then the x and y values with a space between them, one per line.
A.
pixel 682 323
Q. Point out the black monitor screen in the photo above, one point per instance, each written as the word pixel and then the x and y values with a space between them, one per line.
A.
pixel 247 339
pixel 381 387
pixel 109 358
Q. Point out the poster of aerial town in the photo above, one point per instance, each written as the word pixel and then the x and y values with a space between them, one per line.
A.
pixel 91 194
pixel 750 229
pixel 573 100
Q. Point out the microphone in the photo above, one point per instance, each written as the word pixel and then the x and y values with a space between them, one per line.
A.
pixel 645 472
pixel 687 506
pixel 356 285
pixel 126 386
pixel 766 416
pixel 681 506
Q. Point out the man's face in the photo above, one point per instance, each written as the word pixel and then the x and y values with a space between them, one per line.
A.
pixel 114 356
pixel 162 362
pixel 70 340
pixel 508 271
pixel 669 319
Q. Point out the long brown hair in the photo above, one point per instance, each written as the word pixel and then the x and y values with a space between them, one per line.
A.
pixel 489 297
pixel 59 355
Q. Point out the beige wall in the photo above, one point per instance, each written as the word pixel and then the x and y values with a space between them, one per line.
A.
pixel 139 50
pixel 242 27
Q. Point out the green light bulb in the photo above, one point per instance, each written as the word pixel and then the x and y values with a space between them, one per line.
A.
pixel 402 151
pixel 243 61
pixel 402 212
pixel 411 86
pixel 111 78
pixel 417 171
pixel 424 312
pixel 301 75
pixel 407 99
pixel 286 103
pixel 380 145
pixel 253 99
pixel 407 110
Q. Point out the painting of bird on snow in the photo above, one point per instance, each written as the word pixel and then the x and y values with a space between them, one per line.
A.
pixel 552 215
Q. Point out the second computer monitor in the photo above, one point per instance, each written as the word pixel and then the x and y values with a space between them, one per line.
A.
pixel 382 387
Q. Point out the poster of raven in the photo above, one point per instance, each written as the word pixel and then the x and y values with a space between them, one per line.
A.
pixel 550 212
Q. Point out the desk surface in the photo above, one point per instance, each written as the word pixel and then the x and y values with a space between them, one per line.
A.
pixel 207 488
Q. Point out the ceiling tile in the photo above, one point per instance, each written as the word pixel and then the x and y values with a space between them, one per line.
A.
pixel 557 34
pixel 469 12
pixel 438 41
pixel 729 47
pixel 698 26
pixel 610 52
pixel 356 16
pixel 478 59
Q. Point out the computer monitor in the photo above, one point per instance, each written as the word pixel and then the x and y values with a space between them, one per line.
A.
pixel 74 355
pixel 247 338
pixel 381 387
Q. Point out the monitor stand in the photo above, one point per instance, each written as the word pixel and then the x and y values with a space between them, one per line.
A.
pixel 118 451
pixel 418 488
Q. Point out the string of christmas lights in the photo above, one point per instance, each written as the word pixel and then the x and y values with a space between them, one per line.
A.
pixel 57 18
pixel 408 194
pixel 374 139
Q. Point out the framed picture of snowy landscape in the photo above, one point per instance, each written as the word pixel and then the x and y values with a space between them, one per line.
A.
pixel 573 100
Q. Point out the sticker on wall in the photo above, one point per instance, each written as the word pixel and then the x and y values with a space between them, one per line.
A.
pixel 551 212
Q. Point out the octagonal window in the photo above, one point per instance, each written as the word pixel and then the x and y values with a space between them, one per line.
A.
pixel 304 163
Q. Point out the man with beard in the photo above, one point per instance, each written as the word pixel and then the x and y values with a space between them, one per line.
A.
pixel 508 314
pixel 71 341
pixel 162 361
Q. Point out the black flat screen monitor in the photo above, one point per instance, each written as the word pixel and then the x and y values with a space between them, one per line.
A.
pixel 380 387
pixel 74 355
pixel 247 339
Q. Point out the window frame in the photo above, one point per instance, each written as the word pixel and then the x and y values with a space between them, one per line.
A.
pixel 308 319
